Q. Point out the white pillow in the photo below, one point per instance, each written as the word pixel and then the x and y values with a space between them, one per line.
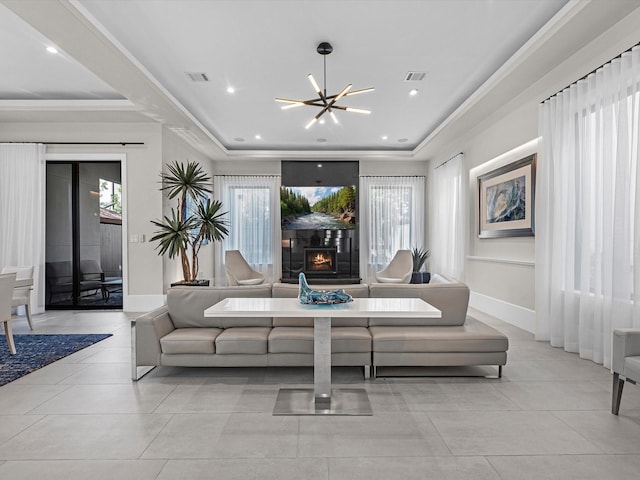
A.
pixel 436 278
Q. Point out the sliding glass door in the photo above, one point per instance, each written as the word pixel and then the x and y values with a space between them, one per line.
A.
pixel 83 235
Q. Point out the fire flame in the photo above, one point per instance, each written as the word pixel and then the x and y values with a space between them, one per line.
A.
pixel 320 261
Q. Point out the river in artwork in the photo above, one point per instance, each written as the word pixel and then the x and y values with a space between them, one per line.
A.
pixel 315 221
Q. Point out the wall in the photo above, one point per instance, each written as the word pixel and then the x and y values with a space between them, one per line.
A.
pixel 501 271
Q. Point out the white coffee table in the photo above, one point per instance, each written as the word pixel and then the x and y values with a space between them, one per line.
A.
pixel 322 400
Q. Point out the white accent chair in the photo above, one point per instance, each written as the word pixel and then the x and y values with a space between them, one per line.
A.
pixel 239 272
pixel 22 291
pixel 7 283
pixel 625 362
pixel 399 269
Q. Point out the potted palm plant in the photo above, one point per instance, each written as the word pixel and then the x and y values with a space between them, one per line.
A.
pixel 420 256
pixel 195 220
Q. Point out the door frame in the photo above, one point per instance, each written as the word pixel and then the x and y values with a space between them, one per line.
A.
pixel 107 157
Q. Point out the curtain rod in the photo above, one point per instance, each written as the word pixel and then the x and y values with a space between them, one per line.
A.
pixel 84 143
pixel 591 72
pixel 447 161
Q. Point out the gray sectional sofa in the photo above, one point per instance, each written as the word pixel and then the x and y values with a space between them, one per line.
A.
pixel 178 334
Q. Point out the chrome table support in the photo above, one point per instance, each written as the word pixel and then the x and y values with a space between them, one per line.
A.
pixel 322 361
pixel 322 400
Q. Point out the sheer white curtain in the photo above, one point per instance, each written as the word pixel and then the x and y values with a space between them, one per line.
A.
pixel 391 219
pixel 448 227
pixel 587 212
pixel 253 203
pixel 22 212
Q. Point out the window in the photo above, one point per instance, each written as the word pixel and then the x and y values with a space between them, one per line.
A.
pixel 253 206
pixel 587 240
pixel 392 219
pixel 111 195
pixel 251 223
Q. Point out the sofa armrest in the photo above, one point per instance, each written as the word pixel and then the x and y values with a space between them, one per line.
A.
pixel 626 343
pixel 149 329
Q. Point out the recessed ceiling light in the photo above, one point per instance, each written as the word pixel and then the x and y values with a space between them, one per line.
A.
pixel 239 139
pixel 321 140
pixel 402 140
pixel 319 165
pixel 52 50
pixel 413 92
pixel 384 137
pixel 258 137
pixel 231 90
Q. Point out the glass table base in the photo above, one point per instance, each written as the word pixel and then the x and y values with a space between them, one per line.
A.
pixel 344 401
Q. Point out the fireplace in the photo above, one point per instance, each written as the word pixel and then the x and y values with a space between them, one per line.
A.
pixel 320 260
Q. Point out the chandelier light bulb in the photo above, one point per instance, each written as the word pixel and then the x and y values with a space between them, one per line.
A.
pixel 358 110
pixel 314 84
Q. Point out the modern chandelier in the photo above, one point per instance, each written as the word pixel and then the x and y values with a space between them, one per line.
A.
pixel 327 103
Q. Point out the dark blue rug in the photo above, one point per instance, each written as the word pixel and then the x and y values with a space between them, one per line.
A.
pixel 36 351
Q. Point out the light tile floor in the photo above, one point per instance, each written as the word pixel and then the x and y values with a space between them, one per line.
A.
pixel 82 417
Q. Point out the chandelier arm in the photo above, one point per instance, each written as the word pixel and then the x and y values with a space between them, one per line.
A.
pixel 317 89
pixel 323 99
pixel 351 109
pixel 322 112
pixel 288 100
pixel 362 90
pixel 340 95
pixel 314 103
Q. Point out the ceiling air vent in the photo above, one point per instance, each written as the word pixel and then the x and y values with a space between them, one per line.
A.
pixel 198 76
pixel 414 76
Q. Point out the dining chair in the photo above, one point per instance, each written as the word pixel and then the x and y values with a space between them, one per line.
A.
pixel 7 282
pixel 625 362
pixel 22 291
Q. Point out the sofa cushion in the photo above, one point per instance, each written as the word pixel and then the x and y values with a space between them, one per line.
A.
pixel 246 340
pixel 290 290
pixel 187 305
pixel 300 340
pixel 632 367
pixel 350 339
pixel 473 336
pixel 452 299
pixel 190 340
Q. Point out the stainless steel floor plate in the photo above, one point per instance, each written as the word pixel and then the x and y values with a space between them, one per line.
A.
pixel 344 401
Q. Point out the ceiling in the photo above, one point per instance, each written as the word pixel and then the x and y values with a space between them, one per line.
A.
pixel 128 61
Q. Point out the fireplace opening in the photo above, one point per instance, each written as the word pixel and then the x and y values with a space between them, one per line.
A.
pixel 320 261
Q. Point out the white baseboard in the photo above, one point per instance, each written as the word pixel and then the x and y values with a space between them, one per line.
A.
pixel 508 312
pixel 142 303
